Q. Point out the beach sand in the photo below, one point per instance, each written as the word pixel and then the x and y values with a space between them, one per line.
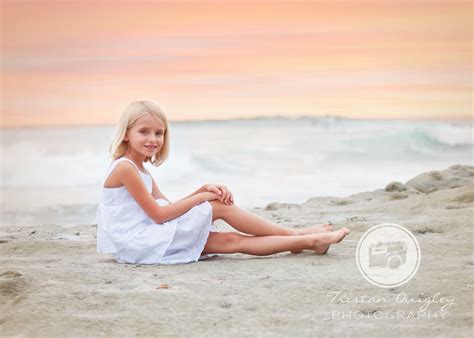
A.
pixel 54 284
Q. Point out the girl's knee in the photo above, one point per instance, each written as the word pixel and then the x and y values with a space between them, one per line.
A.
pixel 223 242
pixel 234 238
pixel 231 241
pixel 236 241
pixel 219 209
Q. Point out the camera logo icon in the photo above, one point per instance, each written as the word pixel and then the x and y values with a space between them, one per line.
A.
pixel 388 255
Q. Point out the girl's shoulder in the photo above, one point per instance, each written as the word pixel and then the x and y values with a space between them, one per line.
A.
pixel 117 168
pixel 119 160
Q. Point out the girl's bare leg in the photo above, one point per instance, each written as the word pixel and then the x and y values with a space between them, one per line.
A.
pixel 252 224
pixel 233 242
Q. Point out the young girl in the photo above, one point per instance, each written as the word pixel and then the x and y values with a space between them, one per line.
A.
pixel 138 224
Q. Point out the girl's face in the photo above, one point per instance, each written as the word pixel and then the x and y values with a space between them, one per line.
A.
pixel 146 137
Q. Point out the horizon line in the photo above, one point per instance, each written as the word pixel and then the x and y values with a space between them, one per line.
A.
pixel 265 117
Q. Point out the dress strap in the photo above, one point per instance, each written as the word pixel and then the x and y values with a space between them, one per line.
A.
pixel 129 160
pixel 114 164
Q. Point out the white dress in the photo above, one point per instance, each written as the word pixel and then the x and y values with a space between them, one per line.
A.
pixel 126 231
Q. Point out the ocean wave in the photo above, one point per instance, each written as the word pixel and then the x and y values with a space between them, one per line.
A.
pixel 61 158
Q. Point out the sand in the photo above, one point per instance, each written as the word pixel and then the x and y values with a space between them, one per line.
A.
pixel 54 284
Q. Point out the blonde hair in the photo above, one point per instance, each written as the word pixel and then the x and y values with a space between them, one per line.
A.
pixel 129 117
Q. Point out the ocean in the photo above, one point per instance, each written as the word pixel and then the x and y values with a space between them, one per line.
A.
pixel 54 175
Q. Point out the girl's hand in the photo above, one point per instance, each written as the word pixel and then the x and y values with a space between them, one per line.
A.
pixel 209 196
pixel 224 193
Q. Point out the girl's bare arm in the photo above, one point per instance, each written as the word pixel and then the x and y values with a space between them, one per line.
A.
pixel 132 181
pixel 156 193
pixel 200 190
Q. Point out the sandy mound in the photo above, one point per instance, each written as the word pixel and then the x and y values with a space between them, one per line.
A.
pixel 454 177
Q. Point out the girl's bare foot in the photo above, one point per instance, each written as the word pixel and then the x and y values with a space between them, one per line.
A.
pixel 316 229
pixel 324 240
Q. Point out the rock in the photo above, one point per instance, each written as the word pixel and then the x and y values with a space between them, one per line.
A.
pixel 395 186
pixel 454 177
pixel 467 197
pixel 276 206
pixel 11 274
pixel 342 202
pixel 397 196
pixel 273 206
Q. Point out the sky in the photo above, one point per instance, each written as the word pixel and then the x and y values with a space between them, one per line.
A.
pixel 82 62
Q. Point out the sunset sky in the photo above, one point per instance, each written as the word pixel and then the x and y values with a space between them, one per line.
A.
pixel 81 62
